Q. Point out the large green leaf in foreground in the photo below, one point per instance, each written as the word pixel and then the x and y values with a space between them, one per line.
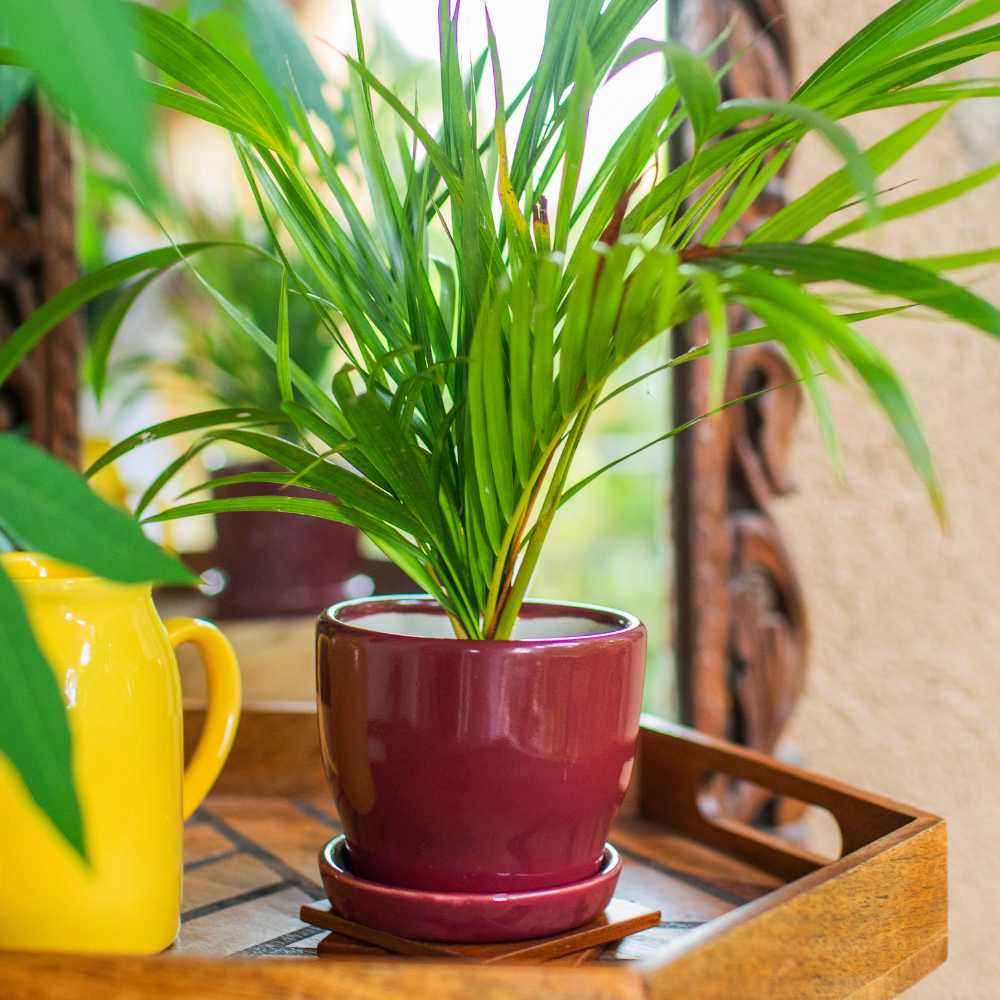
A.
pixel 34 735
pixel 84 61
pixel 46 507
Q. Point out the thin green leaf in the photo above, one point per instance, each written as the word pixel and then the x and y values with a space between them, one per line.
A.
pixel 575 128
pixel 903 18
pixel 803 213
pixel 522 430
pixel 198 107
pixel 695 80
pixel 494 375
pixel 813 262
pixel 194 62
pixel 788 327
pixel 239 479
pixel 920 203
pixel 323 509
pixel 958 261
pixel 301 379
pixel 282 347
pixel 34 734
pixel 438 156
pixel 486 491
pixel 396 458
pixel 508 198
pixel 348 487
pixel 67 301
pixel 306 420
pixel 182 425
pixel 867 361
pixel 103 337
pixel 718 334
pixel 286 61
pixel 543 345
pixel 573 335
pixel 568 494
pixel 858 168
pixel 82 54
pixel 168 473
pixel 744 195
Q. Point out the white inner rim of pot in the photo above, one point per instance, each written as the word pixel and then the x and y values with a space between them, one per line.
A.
pixel 431 626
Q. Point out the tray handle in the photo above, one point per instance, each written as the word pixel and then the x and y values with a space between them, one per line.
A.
pixel 674 763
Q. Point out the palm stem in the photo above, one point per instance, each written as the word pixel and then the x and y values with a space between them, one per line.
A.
pixel 511 606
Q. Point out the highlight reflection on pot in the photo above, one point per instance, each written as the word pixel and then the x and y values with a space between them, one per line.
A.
pixel 343 692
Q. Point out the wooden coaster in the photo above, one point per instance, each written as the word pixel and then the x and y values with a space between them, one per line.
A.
pixel 621 919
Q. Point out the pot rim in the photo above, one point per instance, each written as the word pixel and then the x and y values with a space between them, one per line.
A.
pixel 622 626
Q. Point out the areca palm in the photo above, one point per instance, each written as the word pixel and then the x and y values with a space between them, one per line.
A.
pixel 470 376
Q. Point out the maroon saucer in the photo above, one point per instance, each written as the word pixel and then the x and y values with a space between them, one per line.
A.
pixel 466 917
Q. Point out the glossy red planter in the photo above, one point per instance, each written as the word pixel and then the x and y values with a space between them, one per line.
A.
pixel 476 766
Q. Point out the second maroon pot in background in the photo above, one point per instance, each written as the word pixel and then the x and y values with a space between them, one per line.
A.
pixel 279 564
pixel 477 766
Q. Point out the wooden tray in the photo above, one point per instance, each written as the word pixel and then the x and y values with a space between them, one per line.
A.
pixel 744 913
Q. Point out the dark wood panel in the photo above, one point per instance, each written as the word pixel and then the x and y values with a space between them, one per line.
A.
pixel 741 632
pixel 37 259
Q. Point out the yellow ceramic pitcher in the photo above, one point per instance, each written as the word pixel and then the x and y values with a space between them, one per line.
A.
pixel 115 665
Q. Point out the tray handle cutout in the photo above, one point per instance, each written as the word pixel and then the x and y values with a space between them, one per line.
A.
pixel 675 762
pixel 810 829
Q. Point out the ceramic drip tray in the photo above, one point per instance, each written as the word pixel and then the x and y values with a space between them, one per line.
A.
pixel 463 916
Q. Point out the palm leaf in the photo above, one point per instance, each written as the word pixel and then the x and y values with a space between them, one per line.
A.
pixel 813 262
pixel 67 301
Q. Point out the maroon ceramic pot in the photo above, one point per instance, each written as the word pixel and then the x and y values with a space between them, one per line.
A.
pixel 280 564
pixel 477 766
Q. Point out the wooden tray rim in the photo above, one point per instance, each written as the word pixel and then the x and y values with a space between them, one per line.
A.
pixel 659 767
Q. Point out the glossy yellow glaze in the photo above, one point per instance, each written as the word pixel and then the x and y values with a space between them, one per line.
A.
pixel 114 662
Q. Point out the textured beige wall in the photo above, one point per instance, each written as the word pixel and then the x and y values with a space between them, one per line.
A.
pixel 904 689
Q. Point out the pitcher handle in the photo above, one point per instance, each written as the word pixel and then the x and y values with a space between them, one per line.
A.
pixel 223 712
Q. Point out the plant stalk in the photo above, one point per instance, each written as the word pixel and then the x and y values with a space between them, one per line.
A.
pixel 514 598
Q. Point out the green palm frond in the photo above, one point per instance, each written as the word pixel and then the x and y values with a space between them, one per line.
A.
pixel 471 376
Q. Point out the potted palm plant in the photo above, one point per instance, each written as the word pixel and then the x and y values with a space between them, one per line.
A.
pixel 477 742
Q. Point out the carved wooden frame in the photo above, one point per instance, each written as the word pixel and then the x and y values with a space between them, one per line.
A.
pixel 741 631
pixel 37 259
pixel 740 628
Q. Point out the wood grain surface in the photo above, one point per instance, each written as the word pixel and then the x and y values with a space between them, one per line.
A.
pixel 110 978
